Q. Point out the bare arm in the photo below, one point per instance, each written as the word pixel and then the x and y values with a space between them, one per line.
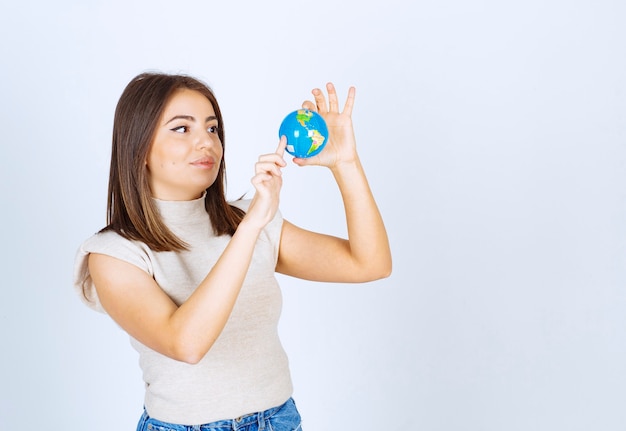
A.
pixel 186 333
pixel 366 254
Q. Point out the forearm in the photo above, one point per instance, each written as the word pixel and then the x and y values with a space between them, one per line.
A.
pixel 199 321
pixel 367 236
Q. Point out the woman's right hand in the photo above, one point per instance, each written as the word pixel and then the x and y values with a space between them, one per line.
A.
pixel 187 332
pixel 267 182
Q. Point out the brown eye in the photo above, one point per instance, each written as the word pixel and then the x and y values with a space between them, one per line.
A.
pixel 180 129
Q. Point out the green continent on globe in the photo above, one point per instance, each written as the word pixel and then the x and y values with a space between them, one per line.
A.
pixel 318 140
pixel 303 116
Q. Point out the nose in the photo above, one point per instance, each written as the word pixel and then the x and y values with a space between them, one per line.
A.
pixel 205 140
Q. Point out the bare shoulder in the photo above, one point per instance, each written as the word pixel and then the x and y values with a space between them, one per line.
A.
pixel 132 298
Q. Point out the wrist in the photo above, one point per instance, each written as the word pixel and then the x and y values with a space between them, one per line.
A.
pixel 248 227
pixel 346 167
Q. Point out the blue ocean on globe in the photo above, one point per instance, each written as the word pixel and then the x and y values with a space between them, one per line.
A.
pixel 306 133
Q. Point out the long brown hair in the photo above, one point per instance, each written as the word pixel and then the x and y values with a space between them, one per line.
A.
pixel 131 211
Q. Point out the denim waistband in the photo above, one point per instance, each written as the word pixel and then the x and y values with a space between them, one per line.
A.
pixel 258 417
pixel 152 424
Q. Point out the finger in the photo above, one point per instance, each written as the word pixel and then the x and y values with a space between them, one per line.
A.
pixel 307 104
pixel 320 100
pixel 260 178
pixel 347 109
pixel 277 157
pixel 269 167
pixel 282 144
pixel 307 161
pixel 272 158
pixel 332 97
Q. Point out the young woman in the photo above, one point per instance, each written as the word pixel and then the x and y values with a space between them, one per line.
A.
pixel 191 277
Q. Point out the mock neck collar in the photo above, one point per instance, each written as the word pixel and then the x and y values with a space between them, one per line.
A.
pixel 182 211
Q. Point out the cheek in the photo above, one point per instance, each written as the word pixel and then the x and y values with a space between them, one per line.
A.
pixel 158 158
pixel 154 162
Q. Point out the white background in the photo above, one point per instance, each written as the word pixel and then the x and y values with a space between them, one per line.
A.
pixel 493 134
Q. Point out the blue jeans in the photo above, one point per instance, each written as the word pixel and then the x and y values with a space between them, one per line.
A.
pixel 281 418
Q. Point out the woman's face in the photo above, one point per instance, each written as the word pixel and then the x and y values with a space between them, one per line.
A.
pixel 186 153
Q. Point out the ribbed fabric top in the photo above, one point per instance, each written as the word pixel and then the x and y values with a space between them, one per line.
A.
pixel 246 369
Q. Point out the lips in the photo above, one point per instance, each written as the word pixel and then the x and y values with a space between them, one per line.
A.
pixel 204 162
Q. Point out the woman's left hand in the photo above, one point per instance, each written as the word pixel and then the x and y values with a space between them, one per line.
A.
pixel 341 145
pixel 365 255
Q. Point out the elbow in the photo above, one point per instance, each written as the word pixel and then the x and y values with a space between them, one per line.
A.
pixel 376 272
pixel 190 358
pixel 189 353
pixel 384 272
pixel 385 268
pixel 191 345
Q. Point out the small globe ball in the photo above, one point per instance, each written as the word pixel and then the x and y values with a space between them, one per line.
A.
pixel 306 133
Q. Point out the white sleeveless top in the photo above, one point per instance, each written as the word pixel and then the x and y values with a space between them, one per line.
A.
pixel 246 370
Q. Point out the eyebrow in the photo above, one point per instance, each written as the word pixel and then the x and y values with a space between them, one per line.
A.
pixel 190 118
